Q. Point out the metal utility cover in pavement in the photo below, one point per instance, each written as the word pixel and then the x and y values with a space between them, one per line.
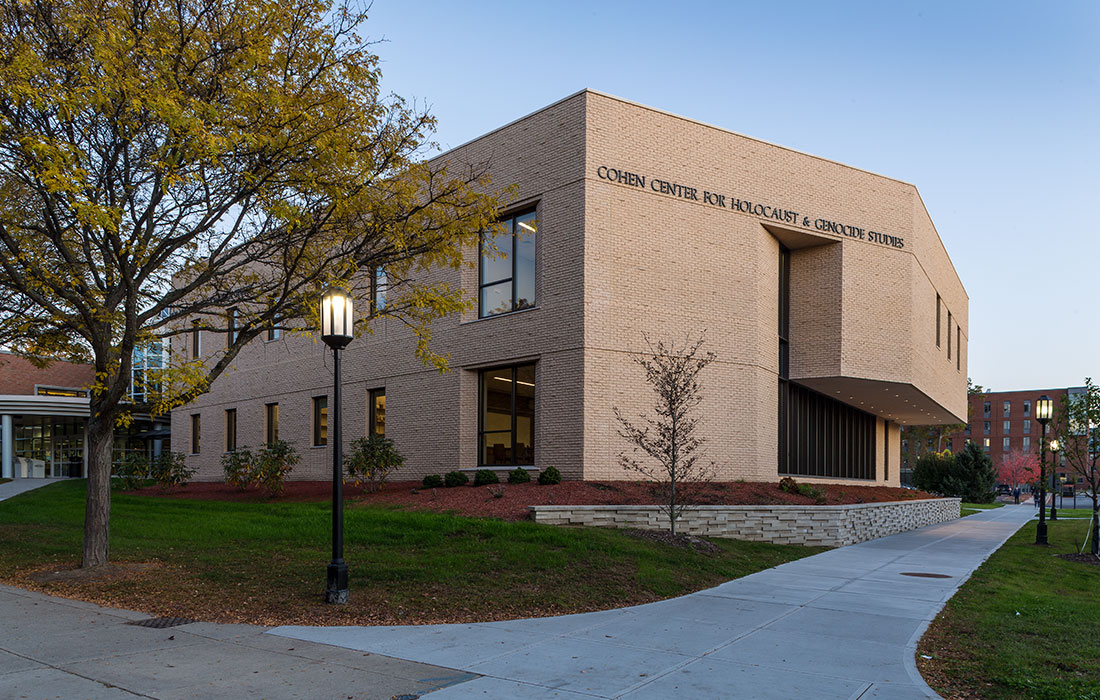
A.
pixel 161 622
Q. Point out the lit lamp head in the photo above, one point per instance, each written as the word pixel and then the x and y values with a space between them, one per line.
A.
pixel 336 323
pixel 1044 409
pixel 1055 445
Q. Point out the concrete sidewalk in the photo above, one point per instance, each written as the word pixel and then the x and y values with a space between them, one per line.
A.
pixel 18 486
pixel 58 648
pixel 843 624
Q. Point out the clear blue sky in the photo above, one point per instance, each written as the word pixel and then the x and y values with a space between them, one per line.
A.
pixel 989 108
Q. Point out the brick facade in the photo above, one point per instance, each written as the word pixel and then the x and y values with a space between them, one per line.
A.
pixel 21 377
pixel 671 258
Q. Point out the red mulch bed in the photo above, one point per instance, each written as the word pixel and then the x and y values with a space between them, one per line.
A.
pixel 480 502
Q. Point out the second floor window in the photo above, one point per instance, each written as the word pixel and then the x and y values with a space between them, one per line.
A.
pixel 507 270
pixel 379 283
pixel 196 340
pixel 231 327
pixel 1027 426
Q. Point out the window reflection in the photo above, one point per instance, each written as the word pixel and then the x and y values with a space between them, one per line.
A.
pixel 507 431
pixel 506 279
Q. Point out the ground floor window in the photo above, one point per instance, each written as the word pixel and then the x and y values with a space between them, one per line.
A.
pixel 506 431
pixel 196 432
pixel 820 436
pixel 376 414
pixel 230 430
pixel 320 421
pixel 271 422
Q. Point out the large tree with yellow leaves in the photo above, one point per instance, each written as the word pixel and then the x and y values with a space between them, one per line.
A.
pixel 164 162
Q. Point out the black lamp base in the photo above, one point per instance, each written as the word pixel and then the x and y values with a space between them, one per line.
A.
pixel 336 591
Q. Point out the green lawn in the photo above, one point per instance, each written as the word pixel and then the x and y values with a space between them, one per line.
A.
pixel 4 481
pixel 1074 513
pixel 265 562
pixel 1024 626
pixel 972 508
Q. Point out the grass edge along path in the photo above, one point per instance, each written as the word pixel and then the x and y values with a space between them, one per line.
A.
pixel 1023 626
pixel 977 507
pixel 264 563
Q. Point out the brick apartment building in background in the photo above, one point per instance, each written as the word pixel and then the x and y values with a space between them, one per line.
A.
pixel 1000 421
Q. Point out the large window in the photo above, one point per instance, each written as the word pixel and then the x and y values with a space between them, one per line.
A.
pixel 507 270
pixel 320 421
pixel 271 422
pixel 824 437
pixel 506 434
pixel 376 414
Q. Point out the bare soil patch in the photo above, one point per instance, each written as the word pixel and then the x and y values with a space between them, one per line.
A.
pixel 1086 558
pixel 106 574
pixel 480 501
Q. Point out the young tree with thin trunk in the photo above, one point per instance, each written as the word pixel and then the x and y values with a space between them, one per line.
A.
pixel 668 443
pixel 1076 426
pixel 206 161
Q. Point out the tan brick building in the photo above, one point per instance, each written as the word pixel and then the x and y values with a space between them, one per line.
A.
pixel 824 290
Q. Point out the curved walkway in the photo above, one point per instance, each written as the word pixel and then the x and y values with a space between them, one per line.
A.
pixel 843 624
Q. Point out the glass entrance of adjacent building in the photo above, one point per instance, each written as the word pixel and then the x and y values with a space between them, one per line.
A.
pixel 48 447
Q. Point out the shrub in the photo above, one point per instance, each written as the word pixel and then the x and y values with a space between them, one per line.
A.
pixel 485 476
pixel 550 475
pixel 132 471
pixel 788 485
pixel 519 475
pixel 267 468
pixel 273 463
pixel 371 460
pixel 237 466
pixel 455 479
pixel 433 481
pixel 810 492
pixel 170 469
pixel 968 475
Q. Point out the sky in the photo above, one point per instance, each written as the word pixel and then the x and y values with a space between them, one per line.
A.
pixel 989 108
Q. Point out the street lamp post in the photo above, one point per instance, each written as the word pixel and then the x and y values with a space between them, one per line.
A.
pixel 1044 409
pixel 336 331
pixel 1054 484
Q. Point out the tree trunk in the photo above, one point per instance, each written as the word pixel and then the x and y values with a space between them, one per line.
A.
pixel 1095 529
pixel 97 506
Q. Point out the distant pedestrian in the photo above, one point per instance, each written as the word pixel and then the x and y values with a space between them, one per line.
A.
pixel 1016 495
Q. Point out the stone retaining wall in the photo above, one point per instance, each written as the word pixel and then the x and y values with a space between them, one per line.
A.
pixel 808 525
